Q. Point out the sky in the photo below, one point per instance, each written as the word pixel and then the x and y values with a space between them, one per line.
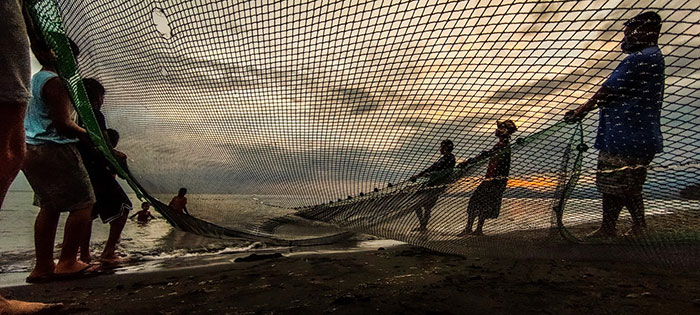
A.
pixel 334 98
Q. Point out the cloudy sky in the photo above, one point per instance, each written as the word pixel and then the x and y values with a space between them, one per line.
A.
pixel 334 98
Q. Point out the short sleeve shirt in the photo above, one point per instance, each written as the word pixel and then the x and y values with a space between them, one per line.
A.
pixel 629 123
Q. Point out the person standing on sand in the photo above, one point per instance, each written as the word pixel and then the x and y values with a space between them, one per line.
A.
pixel 435 184
pixel 485 202
pixel 629 126
pixel 113 205
pixel 55 171
pixel 14 79
pixel 179 202
pixel 144 215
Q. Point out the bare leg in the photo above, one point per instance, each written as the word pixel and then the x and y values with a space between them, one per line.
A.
pixel 12 147
pixel 635 205
pixel 85 255
pixel 419 213
pixel 109 255
pixel 44 238
pixel 14 307
pixel 468 228
pixel 428 205
pixel 612 205
pixel 470 223
pixel 72 237
pixel 426 218
pixel 479 227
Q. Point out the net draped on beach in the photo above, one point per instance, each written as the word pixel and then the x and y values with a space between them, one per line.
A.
pixel 294 122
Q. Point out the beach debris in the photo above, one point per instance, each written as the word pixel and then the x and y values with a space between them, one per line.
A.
pixel 257 257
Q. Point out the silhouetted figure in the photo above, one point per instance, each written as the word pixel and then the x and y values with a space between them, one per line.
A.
pixel 485 202
pixel 144 215
pixel 112 205
pixel 179 202
pixel 437 174
pixel 55 171
pixel 629 127
pixel 14 79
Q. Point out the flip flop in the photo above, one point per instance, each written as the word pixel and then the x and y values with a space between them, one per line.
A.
pixel 87 272
pixel 41 279
pixel 113 263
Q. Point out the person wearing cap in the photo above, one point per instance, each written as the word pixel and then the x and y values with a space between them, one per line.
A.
pixel 629 127
pixel 437 174
pixel 485 202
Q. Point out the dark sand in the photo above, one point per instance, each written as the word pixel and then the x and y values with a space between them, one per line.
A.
pixel 398 280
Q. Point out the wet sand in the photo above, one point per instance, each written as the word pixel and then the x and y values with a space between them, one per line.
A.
pixel 396 280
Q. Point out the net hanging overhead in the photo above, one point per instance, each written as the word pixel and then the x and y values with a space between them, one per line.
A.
pixel 290 122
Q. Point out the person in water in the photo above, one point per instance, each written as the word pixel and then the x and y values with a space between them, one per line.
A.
pixel 629 124
pixel 144 215
pixel 435 186
pixel 179 202
pixel 14 79
pixel 113 205
pixel 485 202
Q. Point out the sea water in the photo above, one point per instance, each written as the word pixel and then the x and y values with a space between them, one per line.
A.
pixel 141 242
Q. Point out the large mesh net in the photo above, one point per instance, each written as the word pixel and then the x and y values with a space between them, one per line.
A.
pixel 294 122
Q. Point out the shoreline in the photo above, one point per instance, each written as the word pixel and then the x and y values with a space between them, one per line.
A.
pixel 204 259
pixel 397 279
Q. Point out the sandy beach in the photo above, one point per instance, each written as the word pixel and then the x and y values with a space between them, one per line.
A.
pixel 394 280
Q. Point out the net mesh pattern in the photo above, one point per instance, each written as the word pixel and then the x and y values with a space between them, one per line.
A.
pixel 290 122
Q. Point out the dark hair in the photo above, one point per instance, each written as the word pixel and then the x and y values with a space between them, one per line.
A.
pixel 182 191
pixel 94 90
pixel 112 137
pixel 145 204
pixel 41 48
pixel 74 48
pixel 649 21
pixel 447 143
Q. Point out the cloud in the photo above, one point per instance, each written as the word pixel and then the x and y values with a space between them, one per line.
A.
pixel 333 99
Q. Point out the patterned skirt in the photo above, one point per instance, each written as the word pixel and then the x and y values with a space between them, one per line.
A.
pixel 486 200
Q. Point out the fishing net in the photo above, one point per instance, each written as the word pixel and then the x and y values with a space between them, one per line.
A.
pixel 295 122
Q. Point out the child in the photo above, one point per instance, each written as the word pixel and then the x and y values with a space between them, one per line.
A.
pixel 113 205
pixel 485 203
pixel 55 172
pixel 436 173
pixel 144 215
pixel 179 202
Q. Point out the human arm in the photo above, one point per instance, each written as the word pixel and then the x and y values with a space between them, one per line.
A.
pixel 55 95
pixel 580 112
pixel 444 162
pixel 184 208
pixel 135 214
pixel 623 81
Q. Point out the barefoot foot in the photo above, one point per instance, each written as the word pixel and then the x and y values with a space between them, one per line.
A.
pixel 14 307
